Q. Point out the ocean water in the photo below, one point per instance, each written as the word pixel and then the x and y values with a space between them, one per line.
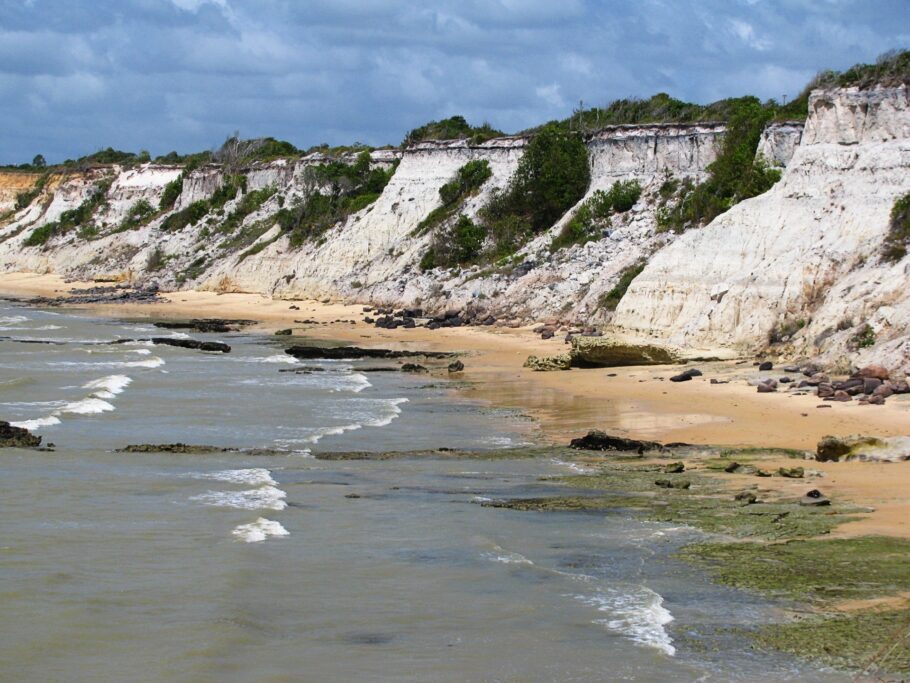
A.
pixel 238 567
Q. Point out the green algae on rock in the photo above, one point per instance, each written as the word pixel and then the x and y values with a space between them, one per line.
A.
pixel 592 352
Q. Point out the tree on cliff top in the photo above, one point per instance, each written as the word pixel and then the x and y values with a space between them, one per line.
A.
pixel 452 128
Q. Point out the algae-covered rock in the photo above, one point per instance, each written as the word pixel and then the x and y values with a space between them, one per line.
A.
pixel 549 363
pixel 674 468
pixel 830 448
pixel 593 352
pixel 596 440
pixel 17 437
pixel 791 472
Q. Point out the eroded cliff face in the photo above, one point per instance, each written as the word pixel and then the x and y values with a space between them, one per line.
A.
pixel 803 259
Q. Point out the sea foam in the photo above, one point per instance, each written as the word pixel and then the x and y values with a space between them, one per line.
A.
pixel 108 387
pixel 263 498
pixel 259 530
pixel 638 614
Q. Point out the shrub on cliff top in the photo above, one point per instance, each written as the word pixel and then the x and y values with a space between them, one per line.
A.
pixel 452 128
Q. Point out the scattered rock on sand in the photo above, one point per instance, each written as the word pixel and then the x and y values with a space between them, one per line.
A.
pixel 686 375
pixel 814 498
pixel 562 361
pixel 284 333
pixel 673 483
pixel 792 472
pixel 414 368
pixel 767 365
pixel 674 468
pixel 456 366
pixel 746 497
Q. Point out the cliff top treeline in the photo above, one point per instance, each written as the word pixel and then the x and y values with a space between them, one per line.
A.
pixel 891 69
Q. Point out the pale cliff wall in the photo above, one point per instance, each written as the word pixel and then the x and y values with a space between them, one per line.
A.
pixel 807 250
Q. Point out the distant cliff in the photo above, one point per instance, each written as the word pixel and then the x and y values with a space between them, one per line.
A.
pixel 797 267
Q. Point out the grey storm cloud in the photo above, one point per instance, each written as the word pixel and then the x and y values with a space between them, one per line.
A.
pixel 78 75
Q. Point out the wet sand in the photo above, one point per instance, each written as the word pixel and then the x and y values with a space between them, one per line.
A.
pixel 638 402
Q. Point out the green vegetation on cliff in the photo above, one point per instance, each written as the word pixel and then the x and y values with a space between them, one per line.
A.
pixel 337 190
pixel 452 128
pixel 593 217
pixel 898 237
pixel 80 217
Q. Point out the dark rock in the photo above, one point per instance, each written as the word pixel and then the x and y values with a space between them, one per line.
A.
pixel 884 391
pixel 293 308
pixel 352 495
pixel 746 497
pixel 814 498
pixel 831 449
pixel 456 366
pixel 194 344
pixel 878 400
pixel 596 440
pixel 762 473
pixel 674 468
pixel 354 352
pixel 791 368
pixel 547 334
pixel 732 467
pixel 673 483
pixel 284 333
pixel 17 437
pixel 686 375
pixel 368 320
pixel 414 368
pixel 767 365
pixel 900 386
pixel 817 378
pixel 719 381
pixel 870 384
pixel 825 390
pixel 791 472
pixel 204 325
pixel 840 396
pixel 784 380
pixel 766 388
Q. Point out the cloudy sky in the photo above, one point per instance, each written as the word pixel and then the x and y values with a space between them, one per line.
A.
pixel 79 75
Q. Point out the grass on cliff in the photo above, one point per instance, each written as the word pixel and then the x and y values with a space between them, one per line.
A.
pixel 594 216
pixel 80 217
pixel 898 237
pixel 337 191
pixel 552 176
pixel 608 301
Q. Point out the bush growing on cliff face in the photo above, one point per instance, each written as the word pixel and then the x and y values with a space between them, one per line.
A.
pixel 898 237
pixel 23 199
pixel 171 193
pixel 593 216
pixel 460 244
pixel 73 218
pixel 139 212
pixel 467 181
pixel 337 191
pixel 610 300
pixel 734 175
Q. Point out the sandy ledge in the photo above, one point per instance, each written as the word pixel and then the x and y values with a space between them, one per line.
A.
pixel 635 402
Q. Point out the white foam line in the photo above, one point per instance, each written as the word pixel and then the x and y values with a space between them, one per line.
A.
pixel 87 406
pixel 255 476
pixel 263 498
pixel 381 421
pixel 32 425
pixel 639 615
pixel 108 387
pixel 259 531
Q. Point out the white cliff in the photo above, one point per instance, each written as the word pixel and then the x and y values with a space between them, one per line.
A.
pixel 806 253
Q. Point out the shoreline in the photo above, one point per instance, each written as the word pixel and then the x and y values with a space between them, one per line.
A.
pixel 635 402
pixel 855 599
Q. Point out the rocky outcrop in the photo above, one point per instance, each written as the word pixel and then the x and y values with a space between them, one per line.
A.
pixel 17 437
pixel 803 255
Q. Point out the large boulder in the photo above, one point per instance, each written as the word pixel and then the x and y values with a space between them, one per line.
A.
pixel 603 352
pixel 596 440
pixel 873 371
pixel 17 437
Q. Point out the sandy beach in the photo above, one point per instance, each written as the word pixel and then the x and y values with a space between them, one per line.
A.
pixel 637 402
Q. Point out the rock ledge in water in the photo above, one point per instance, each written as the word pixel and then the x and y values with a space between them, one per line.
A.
pixel 17 437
